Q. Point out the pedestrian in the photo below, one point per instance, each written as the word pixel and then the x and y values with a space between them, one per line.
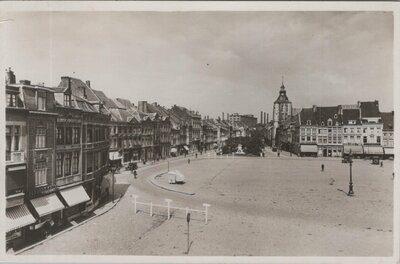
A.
pixel 196 155
pixel 393 175
pixel 279 153
pixel 322 167
pixel 381 163
pixel 188 161
pixel 135 174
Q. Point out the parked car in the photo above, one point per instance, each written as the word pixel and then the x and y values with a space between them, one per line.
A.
pixel 175 177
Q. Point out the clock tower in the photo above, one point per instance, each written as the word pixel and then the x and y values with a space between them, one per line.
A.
pixel 281 112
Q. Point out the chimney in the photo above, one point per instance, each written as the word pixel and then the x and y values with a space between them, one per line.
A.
pixel 25 82
pixel 314 108
pixel 142 106
pixel 227 116
pixel 223 115
pixel 267 118
pixel 88 83
pixel 265 114
pixel 10 76
pixel 261 117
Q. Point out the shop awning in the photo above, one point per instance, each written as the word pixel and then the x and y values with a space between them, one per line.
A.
pixel 373 150
pixel 17 217
pixel 47 204
pixel 309 148
pixel 389 151
pixel 173 150
pixel 353 148
pixel 75 195
pixel 186 147
pixel 114 155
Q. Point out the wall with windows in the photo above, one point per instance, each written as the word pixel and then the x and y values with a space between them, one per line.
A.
pixel 41 151
pixel 308 135
pixel 372 133
pixel 388 138
pixel 352 135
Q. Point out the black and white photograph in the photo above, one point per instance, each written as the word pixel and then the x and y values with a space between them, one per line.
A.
pixel 200 131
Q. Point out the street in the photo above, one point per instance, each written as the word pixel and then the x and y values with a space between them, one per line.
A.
pixel 259 206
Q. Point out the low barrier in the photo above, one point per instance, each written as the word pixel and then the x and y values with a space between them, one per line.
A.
pixel 169 207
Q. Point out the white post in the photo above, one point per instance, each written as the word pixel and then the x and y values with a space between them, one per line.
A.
pixel 187 211
pixel 151 209
pixel 168 201
pixel 134 201
pixel 206 211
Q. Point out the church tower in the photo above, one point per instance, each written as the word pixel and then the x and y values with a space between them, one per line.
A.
pixel 281 112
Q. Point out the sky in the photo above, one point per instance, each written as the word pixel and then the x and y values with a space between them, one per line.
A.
pixel 213 62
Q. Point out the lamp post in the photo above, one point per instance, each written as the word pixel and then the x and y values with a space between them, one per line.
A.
pixel 113 181
pixel 350 160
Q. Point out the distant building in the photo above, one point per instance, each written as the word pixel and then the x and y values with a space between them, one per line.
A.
pixel 372 128
pixel 247 120
pixel 282 110
pixel 388 133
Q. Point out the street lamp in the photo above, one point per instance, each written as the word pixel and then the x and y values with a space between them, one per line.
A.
pixel 350 160
pixel 113 169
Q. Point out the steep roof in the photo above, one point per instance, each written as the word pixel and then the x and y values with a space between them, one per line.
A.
pixel 388 120
pixel 104 99
pixel 324 113
pixel 79 88
pixel 307 114
pixel 282 98
pixel 351 114
pixel 369 109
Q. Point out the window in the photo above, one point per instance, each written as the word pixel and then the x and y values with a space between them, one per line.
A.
pixel 89 137
pixel 378 139
pixel 308 138
pixel 96 135
pixel 335 116
pixel 75 162
pixel 68 135
pixel 67 100
pixel 40 137
pixel 75 135
pixel 364 130
pixel 89 162
pixel 97 161
pixel 345 130
pixel 67 164
pixel 41 100
pixel 322 124
pixel 11 100
pixel 60 136
pixel 303 138
pixel 365 139
pixel 59 165
pixel 16 137
pixel 8 142
pixel 40 173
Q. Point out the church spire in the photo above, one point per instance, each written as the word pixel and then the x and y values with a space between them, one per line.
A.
pixel 282 86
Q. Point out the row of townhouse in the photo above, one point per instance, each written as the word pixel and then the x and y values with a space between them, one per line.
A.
pixel 331 131
pixel 56 155
pixel 61 142
pixel 338 130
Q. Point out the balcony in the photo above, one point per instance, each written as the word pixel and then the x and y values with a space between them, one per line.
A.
pixel 15 156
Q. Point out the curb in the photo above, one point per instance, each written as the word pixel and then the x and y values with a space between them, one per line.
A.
pixel 153 181
pixel 68 229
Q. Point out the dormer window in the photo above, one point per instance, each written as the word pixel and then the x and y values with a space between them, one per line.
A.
pixel 322 123
pixel 308 122
pixel 41 100
pixel 67 100
pixel 335 116
pixel 11 100
pixel 329 122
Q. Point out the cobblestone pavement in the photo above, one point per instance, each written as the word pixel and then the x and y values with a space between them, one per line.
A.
pixel 259 206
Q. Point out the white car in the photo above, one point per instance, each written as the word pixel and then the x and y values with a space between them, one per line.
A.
pixel 175 177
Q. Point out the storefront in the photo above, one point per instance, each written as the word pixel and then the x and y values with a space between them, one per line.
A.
pixel 308 150
pixel 355 150
pixel 17 219
pixel 75 199
pixel 373 151
pixel 330 151
pixel 115 159
pixel 389 152
pixel 48 211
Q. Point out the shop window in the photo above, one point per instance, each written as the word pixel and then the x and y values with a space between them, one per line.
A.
pixel 40 139
pixel 40 173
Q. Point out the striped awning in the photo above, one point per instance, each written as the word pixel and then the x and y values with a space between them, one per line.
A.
pixel 389 151
pixel 373 150
pixel 47 204
pixel 355 149
pixel 17 217
pixel 75 195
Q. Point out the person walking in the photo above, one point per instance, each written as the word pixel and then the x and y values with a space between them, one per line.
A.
pixel 381 164
pixel 196 155
pixel 322 167
pixel 188 161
